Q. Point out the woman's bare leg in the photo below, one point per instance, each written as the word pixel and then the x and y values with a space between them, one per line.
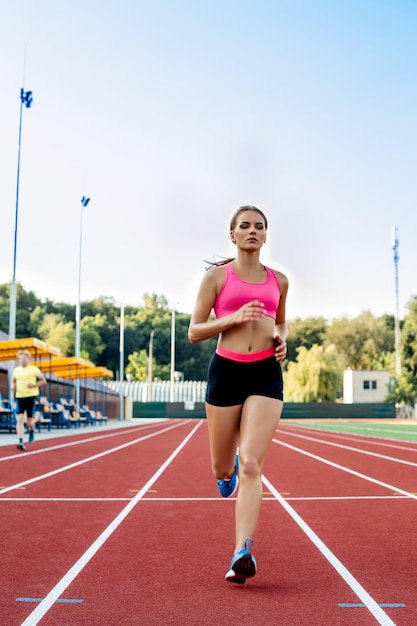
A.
pixel 260 417
pixel 223 427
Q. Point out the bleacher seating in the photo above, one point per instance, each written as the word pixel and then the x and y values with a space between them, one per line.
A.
pixel 41 421
pixel 47 414
pixel 7 415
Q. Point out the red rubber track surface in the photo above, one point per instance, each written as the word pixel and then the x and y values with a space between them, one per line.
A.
pixel 126 526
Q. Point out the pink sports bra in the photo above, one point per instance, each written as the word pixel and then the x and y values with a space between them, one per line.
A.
pixel 235 293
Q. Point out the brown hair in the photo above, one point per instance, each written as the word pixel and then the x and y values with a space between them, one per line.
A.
pixel 233 223
pixel 241 210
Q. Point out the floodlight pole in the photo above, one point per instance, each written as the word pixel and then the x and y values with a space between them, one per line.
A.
pixel 121 362
pixel 171 394
pixel 396 243
pixel 26 99
pixel 84 202
pixel 150 368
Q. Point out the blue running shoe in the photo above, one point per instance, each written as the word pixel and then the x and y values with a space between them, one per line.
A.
pixel 31 436
pixel 228 486
pixel 242 565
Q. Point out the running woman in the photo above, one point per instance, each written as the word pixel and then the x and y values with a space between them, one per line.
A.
pixel 244 396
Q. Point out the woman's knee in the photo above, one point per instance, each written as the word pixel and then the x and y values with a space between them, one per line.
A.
pixel 221 469
pixel 249 466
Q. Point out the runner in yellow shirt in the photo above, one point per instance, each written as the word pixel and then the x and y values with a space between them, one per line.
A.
pixel 25 383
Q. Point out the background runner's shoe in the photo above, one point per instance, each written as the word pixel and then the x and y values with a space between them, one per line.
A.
pixel 228 486
pixel 31 436
pixel 242 565
pixel 21 446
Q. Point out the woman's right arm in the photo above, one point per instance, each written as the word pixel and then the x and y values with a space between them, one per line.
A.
pixel 201 327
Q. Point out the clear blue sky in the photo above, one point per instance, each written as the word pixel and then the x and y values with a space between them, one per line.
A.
pixel 170 114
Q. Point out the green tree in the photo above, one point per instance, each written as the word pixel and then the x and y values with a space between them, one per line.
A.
pixel 361 340
pixel 409 339
pixel 305 333
pixel 405 388
pixel 316 376
pixel 55 331
pixel 139 364
pixel 26 302
pixel 91 345
pixel 404 391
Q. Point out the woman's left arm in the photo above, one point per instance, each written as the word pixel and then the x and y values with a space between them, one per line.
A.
pixel 281 328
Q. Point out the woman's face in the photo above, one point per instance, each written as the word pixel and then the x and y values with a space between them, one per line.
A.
pixel 249 232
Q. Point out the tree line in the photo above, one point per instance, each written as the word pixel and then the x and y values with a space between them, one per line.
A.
pixel 318 350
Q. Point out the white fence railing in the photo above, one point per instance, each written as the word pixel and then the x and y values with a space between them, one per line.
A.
pixel 161 391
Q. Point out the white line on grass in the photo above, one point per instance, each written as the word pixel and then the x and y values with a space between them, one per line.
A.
pixel 86 460
pixel 354 432
pixel 60 587
pixel 381 617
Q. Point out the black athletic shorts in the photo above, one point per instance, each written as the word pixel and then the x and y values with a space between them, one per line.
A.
pixel 25 405
pixel 231 382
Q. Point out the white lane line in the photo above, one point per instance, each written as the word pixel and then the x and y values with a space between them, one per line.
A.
pixel 381 617
pixel 174 499
pixel 66 580
pixel 348 470
pixel 86 460
pixel 353 449
pixel 374 440
pixel 58 446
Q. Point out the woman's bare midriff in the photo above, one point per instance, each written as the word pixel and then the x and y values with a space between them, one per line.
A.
pixel 249 337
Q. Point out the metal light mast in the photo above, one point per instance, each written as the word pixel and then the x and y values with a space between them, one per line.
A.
pixel 172 376
pixel 121 361
pixel 395 246
pixel 26 100
pixel 84 202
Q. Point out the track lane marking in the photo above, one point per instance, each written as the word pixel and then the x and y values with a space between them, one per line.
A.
pixel 348 470
pixel 381 617
pixel 352 449
pixel 359 427
pixel 69 444
pixel 373 440
pixel 86 460
pixel 214 499
pixel 392 605
pixel 73 572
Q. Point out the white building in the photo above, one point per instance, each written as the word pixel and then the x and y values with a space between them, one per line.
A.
pixel 365 386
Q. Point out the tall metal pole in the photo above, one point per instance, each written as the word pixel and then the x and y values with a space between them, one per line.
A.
pixel 121 363
pixel 396 244
pixel 84 202
pixel 171 391
pixel 26 99
pixel 150 360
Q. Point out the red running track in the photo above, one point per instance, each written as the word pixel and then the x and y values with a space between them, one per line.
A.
pixel 126 526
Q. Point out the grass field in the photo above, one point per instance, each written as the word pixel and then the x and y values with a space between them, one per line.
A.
pixel 404 430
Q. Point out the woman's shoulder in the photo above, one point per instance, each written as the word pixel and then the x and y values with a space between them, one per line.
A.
pixel 214 274
pixel 281 278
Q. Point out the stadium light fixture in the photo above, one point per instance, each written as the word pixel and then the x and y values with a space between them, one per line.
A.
pixel 26 101
pixel 395 246
pixel 84 202
pixel 172 375
pixel 121 361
